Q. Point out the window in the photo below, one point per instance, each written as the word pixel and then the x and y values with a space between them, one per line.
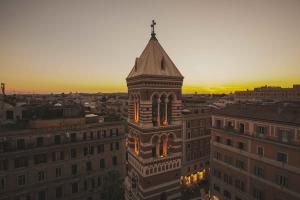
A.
pixel 84 136
pixel 258 194
pixel 39 141
pixel 99 181
pixel 100 148
pixel 91 150
pixel 240 185
pixel 258 171
pixel 111 146
pixel 3 165
pixel 88 166
pixel 261 131
pixel 260 151
pixel 217 155
pixel 21 162
pixel 228 142
pixel 102 163
pixel 242 128
pixel 282 157
pixel 104 133
pixel 57 139
pixel 114 160
pixel 74 169
pixel 85 151
pixel 41 176
pixel 74 188
pixel 58 172
pixel 117 145
pixel 227 194
pixel 58 155
pixel 85 185
pixel 241 145
pixel 282 180
pixel 218 123
pixel 218 139
pixel 217 173
pixel 2 184
pixel 21 180
pixel 217 188
pixel 41 195
pixel 73 153
pixel 73 137
pixel 92 135
pixel 20 144
pixel 240 164
pixel 58 192
pixel 285 135
pixel 40 158
pixel 117 132
pixel 227 179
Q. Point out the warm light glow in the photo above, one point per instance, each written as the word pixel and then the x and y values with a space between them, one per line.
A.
pixel 136 145
pixel 79 47
pixel 165 122
pixel 193 178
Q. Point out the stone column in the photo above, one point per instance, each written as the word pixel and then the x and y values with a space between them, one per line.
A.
pixel 166 112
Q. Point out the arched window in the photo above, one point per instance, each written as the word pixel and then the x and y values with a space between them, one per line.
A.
pixel 163 110
pixel 163 149
pixel 169 109
pixel 155 110
pixel 136 145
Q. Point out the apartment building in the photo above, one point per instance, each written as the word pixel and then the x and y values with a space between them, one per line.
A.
pixel 196 147
pixel 60 159
pixel 255 152
pixel 269 93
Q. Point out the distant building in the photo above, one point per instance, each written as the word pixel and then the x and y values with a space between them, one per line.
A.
pixel 195 147
pixel 255 152
pixel 269 93
pixel 64 158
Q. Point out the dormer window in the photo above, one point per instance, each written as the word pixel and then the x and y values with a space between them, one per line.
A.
pixel 162 64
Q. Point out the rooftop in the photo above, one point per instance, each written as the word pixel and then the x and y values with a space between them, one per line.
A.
pixel 287 113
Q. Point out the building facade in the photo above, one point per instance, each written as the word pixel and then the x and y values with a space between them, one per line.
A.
pixel 255 152
pixel 195 147
pixel 154 126
pixel 269 93
pixel 60 159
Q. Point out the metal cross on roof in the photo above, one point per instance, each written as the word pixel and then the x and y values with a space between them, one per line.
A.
pixel 152 26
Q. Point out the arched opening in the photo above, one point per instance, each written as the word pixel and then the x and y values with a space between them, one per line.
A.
pixel 155 101
pixel 163 110
pixel 136 109
pixel 136 145
pixel 163 148
pixel 169 109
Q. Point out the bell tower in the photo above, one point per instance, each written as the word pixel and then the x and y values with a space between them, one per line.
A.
pixel 154 125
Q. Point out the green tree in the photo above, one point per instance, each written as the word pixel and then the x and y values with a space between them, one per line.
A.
pixel 113 186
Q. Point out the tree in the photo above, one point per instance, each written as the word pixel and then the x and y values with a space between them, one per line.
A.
pixel 113 186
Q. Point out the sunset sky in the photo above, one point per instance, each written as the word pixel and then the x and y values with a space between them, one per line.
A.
pixel 90 46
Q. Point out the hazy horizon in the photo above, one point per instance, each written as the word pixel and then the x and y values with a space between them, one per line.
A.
pixel 90 46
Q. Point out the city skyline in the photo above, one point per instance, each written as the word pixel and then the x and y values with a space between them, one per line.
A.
pixel 218 46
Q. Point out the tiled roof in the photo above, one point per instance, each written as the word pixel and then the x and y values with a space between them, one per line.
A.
pixel 154 61
pixel 281 112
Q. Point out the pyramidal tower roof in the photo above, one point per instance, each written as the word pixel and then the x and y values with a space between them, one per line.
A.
pixel 154 61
